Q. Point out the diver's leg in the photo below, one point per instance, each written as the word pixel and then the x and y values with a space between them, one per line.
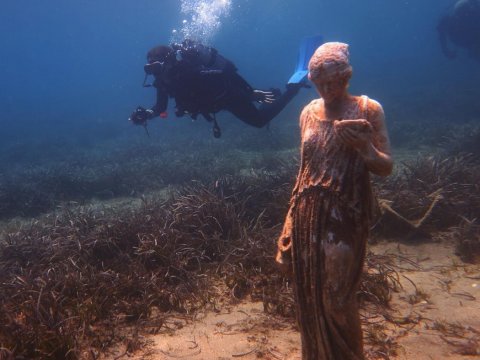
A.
pixel 246 111
pixel 269 111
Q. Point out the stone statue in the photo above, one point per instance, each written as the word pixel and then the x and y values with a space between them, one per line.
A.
pixel 343 139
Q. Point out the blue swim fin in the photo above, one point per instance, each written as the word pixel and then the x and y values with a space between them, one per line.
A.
pixel 307 48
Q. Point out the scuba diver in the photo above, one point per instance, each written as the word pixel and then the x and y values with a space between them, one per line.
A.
pixel 462 27
pixel 203 82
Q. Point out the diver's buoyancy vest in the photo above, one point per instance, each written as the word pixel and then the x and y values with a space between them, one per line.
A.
pixel 203 58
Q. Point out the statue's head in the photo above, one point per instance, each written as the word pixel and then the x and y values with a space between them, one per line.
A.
pixel 330 60
pixel 330 70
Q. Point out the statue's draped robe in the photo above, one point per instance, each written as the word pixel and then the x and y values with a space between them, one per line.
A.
pixel 328 226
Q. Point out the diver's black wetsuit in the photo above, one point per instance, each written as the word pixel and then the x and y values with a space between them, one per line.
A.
pixel 462 27
pixel 203 82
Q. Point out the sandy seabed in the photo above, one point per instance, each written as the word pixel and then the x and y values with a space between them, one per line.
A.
pixel 438 301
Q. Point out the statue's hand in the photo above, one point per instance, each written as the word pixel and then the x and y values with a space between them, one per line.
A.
pixel 355 133
pixel 283 258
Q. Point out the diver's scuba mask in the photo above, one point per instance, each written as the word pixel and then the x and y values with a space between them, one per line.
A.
pixel 155 68
pixel 160 66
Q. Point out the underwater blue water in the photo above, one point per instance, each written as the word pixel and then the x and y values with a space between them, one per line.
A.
pixel 74 69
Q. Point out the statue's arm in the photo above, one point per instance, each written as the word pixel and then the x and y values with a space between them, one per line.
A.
pixel 377 153
pixel 284 242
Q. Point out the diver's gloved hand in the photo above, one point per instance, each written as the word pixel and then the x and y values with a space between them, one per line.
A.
pixel 141 115
pixel 264 97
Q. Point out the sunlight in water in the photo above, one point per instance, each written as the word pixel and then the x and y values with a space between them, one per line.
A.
pixel 203 19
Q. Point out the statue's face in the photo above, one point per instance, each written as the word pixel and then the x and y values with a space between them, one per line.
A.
pixel 331 89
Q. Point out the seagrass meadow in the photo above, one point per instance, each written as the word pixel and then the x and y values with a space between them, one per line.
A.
pixel 99 250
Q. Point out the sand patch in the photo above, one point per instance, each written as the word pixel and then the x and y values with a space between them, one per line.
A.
pixel 438 303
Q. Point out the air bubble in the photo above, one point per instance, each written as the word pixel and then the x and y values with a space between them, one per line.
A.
pixel 203 19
